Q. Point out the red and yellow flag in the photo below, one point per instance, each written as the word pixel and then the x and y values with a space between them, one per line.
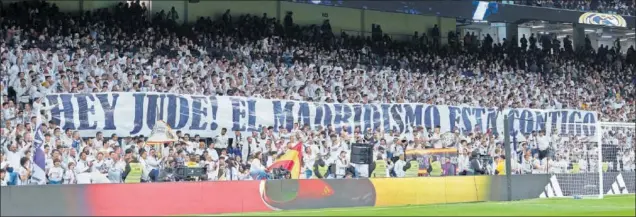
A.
pixel 290 161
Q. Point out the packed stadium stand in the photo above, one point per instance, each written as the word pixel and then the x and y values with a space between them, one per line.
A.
pixel 128 49
pixel 622 7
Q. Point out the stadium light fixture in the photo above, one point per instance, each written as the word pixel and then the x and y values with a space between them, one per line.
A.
pixel 537 27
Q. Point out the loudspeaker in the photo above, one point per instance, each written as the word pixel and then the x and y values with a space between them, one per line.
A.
pixel 361 153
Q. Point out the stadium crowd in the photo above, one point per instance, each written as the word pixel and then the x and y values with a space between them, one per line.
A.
pixel 45 51
pixel 620 7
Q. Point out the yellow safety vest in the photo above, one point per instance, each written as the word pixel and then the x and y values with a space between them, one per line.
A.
pixel 501 167
pixel 436 168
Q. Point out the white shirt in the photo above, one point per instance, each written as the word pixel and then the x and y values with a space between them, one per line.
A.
pixel 82 167
pixel 70 177
pixel 256 165
pixel 14 157
pixel 526 166
pixel 4 164
pixel 255 147
pixel 213 154
pixel 398 168
pixel 560 166
pixel 309 160
pixel 3 182
pixel 463 162
pixel 582 165
pixel 22 171
pixel 543 142
pixel 398 151
pixel 540 168
pixel 115 171
pixel 100 166
pixel 221 141
pixel 98 143
pixel 435 139
pixel 341 167
pixel 56 173
pixel 232 173
pixel 147 165
pixel 212 173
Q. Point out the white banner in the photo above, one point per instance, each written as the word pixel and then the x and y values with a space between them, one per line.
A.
pixel 127 114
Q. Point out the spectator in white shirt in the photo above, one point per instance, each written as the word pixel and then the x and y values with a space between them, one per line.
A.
pixel 221 141
pixel 70 176
pixel 14 155
pixel 4 164
pixel 83 168
pixel 543 143
pixel 231 171
pixel 527 164
pixel 3 177
pixel 341 165
pixel 309 159
pixel 24 171
pixel 398 167
pixel 149 166
pixel 116 168
pixel 98 141
pixel 56 173
pixel 100 165
pixel 257 170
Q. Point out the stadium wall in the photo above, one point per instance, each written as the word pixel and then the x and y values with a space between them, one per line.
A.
pixel 256 196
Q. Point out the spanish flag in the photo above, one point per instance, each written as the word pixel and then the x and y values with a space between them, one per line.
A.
pixel 290 161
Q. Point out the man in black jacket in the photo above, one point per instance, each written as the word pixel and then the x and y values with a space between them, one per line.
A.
pixel 127 158
pixel 476 165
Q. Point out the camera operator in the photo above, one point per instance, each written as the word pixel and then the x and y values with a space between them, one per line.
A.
pixel 168 170
pixel 477 167
pixel 280 173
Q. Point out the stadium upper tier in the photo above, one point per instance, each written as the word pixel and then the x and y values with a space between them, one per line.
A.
pixel 256 56
pixel 621 7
